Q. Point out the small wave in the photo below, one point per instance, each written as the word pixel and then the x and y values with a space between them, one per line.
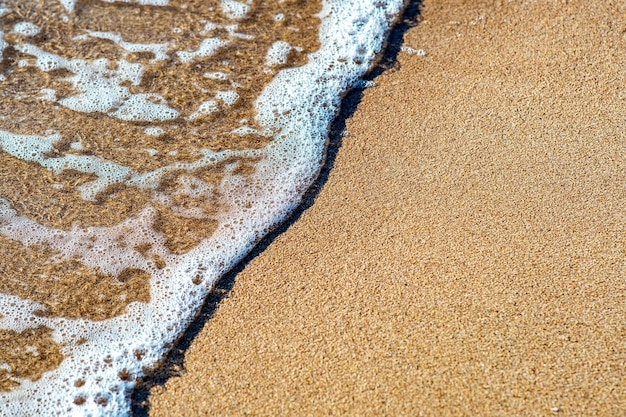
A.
pixel 145 147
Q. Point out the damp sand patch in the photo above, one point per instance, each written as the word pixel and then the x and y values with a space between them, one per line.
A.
pixel 145 147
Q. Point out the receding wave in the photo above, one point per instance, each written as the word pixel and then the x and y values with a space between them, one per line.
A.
pixel 145 147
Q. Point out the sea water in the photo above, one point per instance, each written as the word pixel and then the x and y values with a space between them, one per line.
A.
pixel 145 147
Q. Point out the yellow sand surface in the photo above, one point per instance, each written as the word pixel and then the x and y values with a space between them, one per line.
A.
pixel 467 255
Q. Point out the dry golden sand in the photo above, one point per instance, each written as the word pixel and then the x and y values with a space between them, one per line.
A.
pixel 467 255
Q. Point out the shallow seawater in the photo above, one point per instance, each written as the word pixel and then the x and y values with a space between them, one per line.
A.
pixel 145 147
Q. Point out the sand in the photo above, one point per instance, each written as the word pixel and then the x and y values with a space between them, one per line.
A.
pixel 467 254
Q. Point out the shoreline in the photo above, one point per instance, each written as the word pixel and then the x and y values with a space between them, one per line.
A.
pixel 173 364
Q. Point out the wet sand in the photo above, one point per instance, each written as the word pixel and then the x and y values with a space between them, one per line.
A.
pixel 467 255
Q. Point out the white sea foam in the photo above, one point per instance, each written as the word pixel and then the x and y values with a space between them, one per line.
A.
pixel 278 53
pixel 229 97
pixel 296 107
pixel 26 28
pixel 48 94
pixel 68 4
pixel 207 48
pixel 216 75
pixel 154 130
pixel 145 107
pixel 100 87
pixel 3 44
pixel 234 9
pixel 34 148
pixel 160 50
pixel 205 108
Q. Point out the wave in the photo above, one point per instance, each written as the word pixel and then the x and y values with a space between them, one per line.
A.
pixel 146 147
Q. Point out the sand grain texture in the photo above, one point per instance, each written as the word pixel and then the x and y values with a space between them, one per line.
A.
pixel 466 256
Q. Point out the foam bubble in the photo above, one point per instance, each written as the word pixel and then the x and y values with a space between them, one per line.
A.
pixel 216 75
pixel 154 130
pixel 3 44
pixel 205 108
pixel 207 48
pixel 229 97
pixel 160 50
pixel 68 4
pixel 48 94
pixel 146 107
pixel 234 9
pixel 35 148
pixel 101 86
pixel 26 28
pixel 278 53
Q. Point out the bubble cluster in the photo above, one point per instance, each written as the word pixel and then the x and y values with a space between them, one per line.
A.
pixel 26 28
pixel 277 53
pixel 235 9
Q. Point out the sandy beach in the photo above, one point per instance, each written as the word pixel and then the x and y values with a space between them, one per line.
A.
pixel 467 254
